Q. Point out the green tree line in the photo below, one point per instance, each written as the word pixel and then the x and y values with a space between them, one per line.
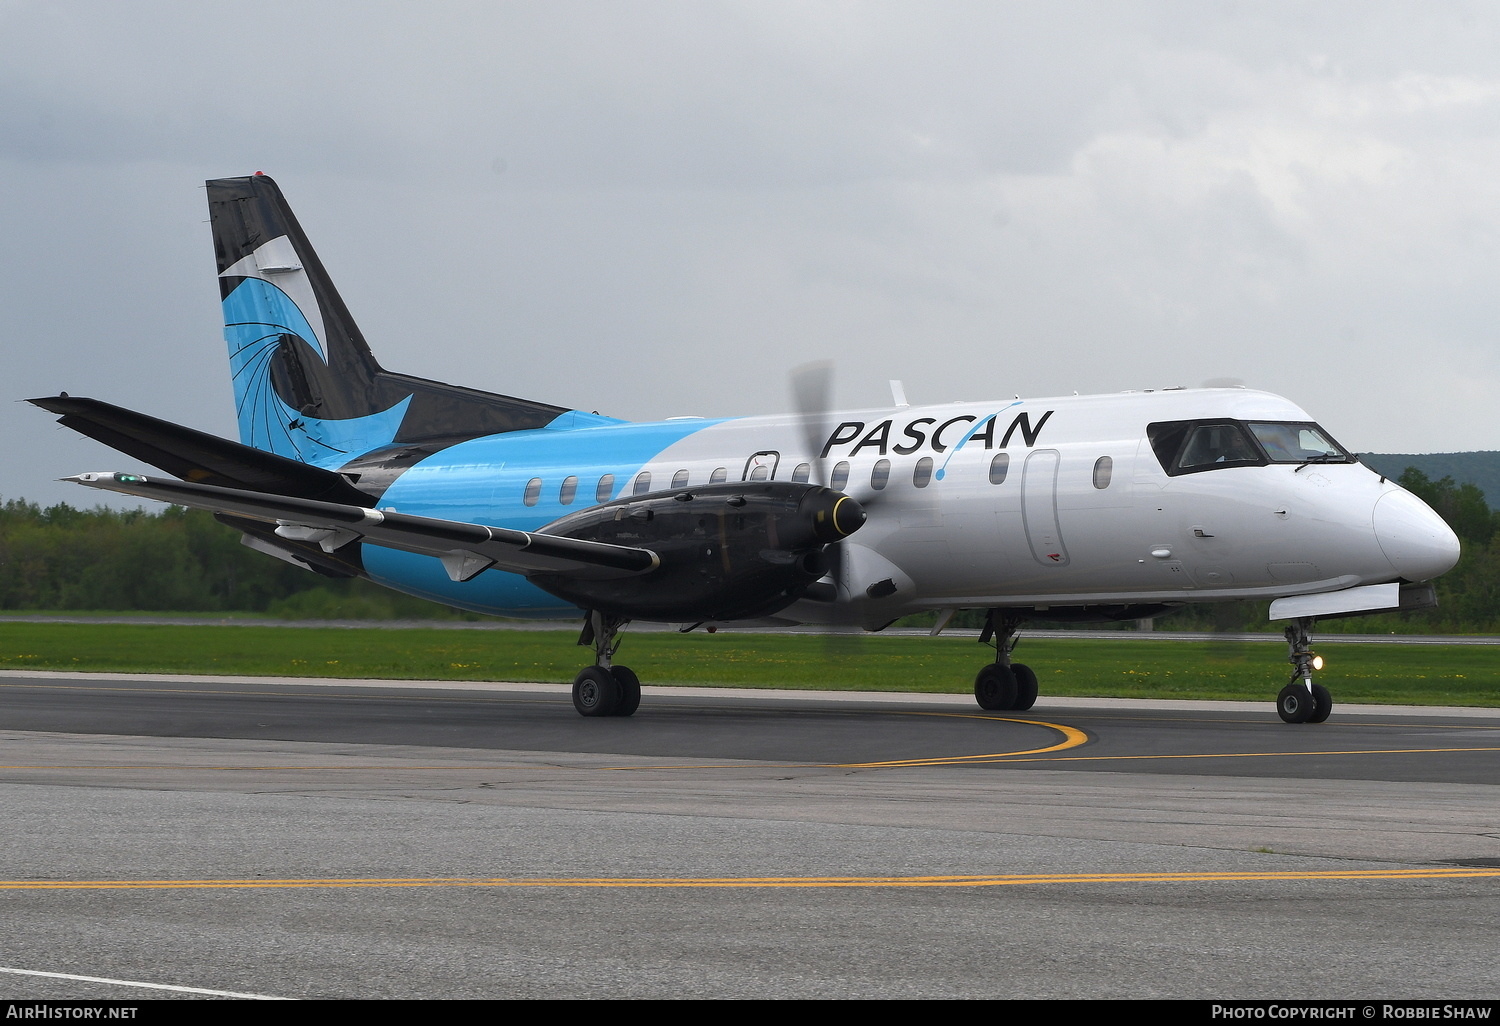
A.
pixel 61 558
pixel 176 560
pixel 1469 594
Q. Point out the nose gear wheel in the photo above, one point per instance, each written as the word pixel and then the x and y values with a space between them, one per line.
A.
pixel 1302 701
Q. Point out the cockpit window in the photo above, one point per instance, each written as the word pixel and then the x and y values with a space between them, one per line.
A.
pixel 1298 443
pixel 1166 442
pixel 1193 446
pixel 1216 445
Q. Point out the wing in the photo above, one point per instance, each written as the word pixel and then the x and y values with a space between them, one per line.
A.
pixel 465 549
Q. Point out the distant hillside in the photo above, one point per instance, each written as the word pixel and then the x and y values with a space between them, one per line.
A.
pixel 1481 469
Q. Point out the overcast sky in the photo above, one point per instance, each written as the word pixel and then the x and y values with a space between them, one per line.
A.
pixel 653 209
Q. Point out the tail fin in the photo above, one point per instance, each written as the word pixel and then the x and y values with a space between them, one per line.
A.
pixel 306 385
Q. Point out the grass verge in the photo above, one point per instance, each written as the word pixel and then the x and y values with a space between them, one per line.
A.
pixel 1212 669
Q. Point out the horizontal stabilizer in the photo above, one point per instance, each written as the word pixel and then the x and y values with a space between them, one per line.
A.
pixel 466 549
pixel 197 456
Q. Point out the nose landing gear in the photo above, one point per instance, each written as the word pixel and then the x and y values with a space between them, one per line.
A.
pixel 1302 701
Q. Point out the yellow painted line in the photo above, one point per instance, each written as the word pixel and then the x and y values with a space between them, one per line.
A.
pixel 998 758
pixel 1254 755
pixel 768 882
pixel 1072 738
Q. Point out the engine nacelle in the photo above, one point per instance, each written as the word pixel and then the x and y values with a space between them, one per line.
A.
pixel 727 551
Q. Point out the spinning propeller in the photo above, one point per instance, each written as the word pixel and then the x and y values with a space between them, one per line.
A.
pixel 812 398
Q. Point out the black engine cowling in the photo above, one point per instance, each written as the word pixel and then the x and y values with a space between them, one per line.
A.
pixel 727 551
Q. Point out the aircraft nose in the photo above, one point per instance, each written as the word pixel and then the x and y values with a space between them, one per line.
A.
pixel 1418 543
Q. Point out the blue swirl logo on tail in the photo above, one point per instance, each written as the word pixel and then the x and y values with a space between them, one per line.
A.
pixel 258 317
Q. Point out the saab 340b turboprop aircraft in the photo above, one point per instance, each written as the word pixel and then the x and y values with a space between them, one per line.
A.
pixel 1099 507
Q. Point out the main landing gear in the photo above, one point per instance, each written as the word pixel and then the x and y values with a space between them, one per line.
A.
pixel 1004 685
pixel 1302 701
pixel 605 689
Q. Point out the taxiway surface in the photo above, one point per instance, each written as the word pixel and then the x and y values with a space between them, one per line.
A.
pixel 367 839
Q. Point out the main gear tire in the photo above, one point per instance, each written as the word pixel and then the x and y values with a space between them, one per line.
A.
pixel 596 692
pixel 1322 704
pixel 1296 704
pixel 630 690
pixel 995 687
pixel 1026 687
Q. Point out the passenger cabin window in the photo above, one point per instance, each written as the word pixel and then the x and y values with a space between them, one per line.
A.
pixel 719 476
pixel 999 467
pixel 922 473
pixel 802 472
pixel 605 488
pixel 567 491
pixel 840 476
pixel 533 491
pixel 679 479
pixel 1104 469
pixel 880 474
pixel 642 482
pixel 760 473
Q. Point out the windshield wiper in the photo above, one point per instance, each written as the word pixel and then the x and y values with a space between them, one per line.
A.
pixel 1323 457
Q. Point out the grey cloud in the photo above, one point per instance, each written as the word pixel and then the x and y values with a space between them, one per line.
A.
pixel 656 208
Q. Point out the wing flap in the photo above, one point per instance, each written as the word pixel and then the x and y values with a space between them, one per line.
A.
pixel 466 549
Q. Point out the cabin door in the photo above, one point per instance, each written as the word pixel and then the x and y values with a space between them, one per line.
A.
pixel 1039 507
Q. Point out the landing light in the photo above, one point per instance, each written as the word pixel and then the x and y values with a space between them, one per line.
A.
pixel 1317 662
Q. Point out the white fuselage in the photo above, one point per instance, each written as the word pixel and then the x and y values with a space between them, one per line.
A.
pixel 1083 512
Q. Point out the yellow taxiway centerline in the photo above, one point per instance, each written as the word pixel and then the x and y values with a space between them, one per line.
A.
pixel 1008 880
pixel 1072 738
pixel 1249 755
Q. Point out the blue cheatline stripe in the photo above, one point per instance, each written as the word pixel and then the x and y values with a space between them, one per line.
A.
pixel 482 481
